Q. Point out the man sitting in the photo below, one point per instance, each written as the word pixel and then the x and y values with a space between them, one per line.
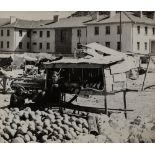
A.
pixel 17 99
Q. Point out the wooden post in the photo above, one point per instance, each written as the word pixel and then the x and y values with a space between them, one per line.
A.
pixel 4 84
pixel 124 100
pixel 105 91
pixel 46 80
pixel 146 73
pixel 120 31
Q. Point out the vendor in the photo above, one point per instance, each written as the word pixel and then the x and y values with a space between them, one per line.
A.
pixel 17 99
pixel 53 92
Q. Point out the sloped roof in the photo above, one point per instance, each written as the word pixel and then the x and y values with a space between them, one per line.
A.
pixel 126 17
pixel 4 21
pixel 143 20
pixel 27 24
pixel 68 22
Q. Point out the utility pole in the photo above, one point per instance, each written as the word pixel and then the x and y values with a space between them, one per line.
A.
pixel 120 31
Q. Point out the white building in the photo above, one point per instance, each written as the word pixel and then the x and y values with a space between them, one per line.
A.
pixel 62 36
pixel 16 36
pixel 138 33
pixel 66 34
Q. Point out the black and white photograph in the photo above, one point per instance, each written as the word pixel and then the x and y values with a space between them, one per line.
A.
pixel 77 76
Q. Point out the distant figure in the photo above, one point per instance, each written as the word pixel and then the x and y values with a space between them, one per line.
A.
pixel 17 99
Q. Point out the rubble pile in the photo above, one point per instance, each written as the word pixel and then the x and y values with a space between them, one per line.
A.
pixel 117 129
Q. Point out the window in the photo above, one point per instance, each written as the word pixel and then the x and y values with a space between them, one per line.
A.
pixel 1 32
pixel 145 44
pixel 8 32
pixel 78 33
pixel 118 30
pixel 35 32
pixel 20 33
pixel 107 44
pixel 146 30
pixel 96 30
pixel 138 45
pixel 48 46
pixel 1 44
pixel 34 43
pixel 138 29
pixel 153 30
pixel 40 46
pixel 28 45
pixel 20 45
pixel 28 34
pixel 41 33
pixel 48 34
pixel 107 29
pixel 79 46
pixel 118 46
pixel 8 44
pixel 62 35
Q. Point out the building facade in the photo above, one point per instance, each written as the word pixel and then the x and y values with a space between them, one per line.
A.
pixel 42 40
pixel 63 36
pixel 137 34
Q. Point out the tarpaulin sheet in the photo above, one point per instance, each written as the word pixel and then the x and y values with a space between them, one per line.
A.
pixel 124 66
pixel 103 49
pixel 119 77
pixel 18 59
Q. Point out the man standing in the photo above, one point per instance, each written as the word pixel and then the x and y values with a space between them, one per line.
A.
pixel 54 88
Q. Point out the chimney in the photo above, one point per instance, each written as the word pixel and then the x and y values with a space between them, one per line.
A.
pixel 56 18
pixel 139 14
pixel 153 15
pixel 95 15
pixel 112 13
pixel 12 19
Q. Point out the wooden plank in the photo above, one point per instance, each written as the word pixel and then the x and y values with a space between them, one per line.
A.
pixel 89 109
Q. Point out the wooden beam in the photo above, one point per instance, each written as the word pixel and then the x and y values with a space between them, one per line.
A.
pixel 71 65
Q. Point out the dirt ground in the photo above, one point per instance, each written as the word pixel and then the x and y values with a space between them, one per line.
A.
pixel 142 102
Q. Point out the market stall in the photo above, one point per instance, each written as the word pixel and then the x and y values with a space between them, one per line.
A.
pixel 111 68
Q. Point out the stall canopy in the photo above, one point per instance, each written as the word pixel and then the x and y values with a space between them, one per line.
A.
pixel 28 58
pixel 83 61
pixel 120 62
pixel 5 60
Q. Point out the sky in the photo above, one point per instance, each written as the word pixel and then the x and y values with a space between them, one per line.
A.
pixel 34 15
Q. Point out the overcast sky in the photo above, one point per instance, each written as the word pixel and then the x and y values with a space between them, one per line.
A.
pixel 34 15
